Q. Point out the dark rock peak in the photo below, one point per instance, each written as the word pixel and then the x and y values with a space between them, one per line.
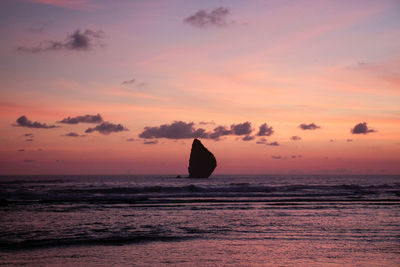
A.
pixel 202 162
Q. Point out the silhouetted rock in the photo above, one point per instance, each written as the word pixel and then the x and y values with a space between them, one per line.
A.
pixel 202 162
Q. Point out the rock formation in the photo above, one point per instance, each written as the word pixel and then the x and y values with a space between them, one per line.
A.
pixel 202 162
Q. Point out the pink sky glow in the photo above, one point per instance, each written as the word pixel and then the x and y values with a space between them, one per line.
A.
pixel 140 64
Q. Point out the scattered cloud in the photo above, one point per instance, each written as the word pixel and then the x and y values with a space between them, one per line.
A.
pixel 28 135
pixel 362 128
pixel 295 138
pixel 276 157
pixel 236 129
pixel 218 132
pixel 142 84
pixel 21 150
pixel 203 19
pixel 85 119
pixel 184 130
pixel 332 140
pixel 29 140
pixel 151 142
pixel 293 156
pixel 24 122
pixel 175 130
pixel 248 138
pixel 107 128
pixel 29 160
pixel 262 141
pixel 207 122
pixel 72 134
pixel 132 81
pixel 274 144
pixel 349 140
pixel 311 126
pixel 241 128
pixel 78 41
pixel 130 140
pixel 265 130
pixel 38 29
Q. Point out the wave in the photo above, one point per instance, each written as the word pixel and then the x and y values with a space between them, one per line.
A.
pixel 101 241
pixel 19 182
pixel 112 193
pixel 234 188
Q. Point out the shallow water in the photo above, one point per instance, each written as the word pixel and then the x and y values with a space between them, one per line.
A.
pixel 225 220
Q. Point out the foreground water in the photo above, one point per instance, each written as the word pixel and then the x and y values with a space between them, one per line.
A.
pixel 224 220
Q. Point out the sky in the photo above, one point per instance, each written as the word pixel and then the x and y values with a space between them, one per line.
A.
pixel 269 87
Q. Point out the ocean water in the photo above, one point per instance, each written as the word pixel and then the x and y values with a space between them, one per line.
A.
pixel 231 220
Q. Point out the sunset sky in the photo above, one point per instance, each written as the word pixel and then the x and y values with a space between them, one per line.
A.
pixel 123 86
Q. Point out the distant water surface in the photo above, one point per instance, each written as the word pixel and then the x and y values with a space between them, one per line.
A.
pixel 236 220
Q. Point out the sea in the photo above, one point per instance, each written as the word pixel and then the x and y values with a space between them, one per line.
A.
pixel 226 220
